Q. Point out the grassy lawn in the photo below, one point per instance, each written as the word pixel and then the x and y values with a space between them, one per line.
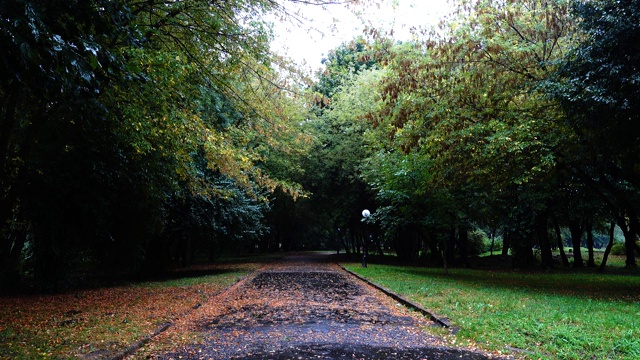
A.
pixel 558 315
pixel 104 321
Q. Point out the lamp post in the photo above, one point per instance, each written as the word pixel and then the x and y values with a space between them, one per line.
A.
pixel 365 214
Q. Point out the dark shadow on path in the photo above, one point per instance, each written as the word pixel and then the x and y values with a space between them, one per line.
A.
pixel 340 351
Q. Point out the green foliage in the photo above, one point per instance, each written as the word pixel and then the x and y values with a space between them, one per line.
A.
pixel 348 58
pixel 618 249
pixel 331 171
pixel 478 242
pixel 464 133
pixel 123 140
pixel 597 85
pixel 115 123
pixel 56 145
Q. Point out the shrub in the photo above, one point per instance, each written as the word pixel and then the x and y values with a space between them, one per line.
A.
pixel 618 249
pixel 478 241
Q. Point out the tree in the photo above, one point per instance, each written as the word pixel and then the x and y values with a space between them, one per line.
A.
pixel 55 66
pixel 468 101
pixel 340 64
pixel 330 172
pixel 108 108
pixel 599 89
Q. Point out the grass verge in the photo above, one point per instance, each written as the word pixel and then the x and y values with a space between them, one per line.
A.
pixel 101 322
pixel 533 315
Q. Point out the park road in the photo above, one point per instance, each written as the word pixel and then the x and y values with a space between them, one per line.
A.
pixel 305 307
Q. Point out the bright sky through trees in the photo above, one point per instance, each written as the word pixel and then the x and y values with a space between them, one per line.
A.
pixel 321 29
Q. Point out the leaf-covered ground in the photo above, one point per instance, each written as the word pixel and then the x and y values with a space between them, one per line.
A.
pixel 301 309
pixel 98 323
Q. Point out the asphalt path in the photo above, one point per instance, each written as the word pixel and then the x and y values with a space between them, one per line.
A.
pixel 306 307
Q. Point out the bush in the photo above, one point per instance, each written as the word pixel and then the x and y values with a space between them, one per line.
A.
pixel 618 249
pixel 478 241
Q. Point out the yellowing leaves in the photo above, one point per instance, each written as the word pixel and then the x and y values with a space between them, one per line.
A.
pixel 235 109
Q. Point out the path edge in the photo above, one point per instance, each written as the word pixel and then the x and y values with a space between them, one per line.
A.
pixel 441 321
pixel 164 327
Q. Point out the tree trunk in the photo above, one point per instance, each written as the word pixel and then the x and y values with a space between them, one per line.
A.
pixel 609 246
pixel 213 249
pixel 463 241
pixel 406 242
pixel 630 247
pixel 543 240
pixel 563 255
pixel 445 251
pixel 376 240
pixel 629 240
pixel 522 251
pixel 434 249
pixel 506 244
pixel 187 251
pixel 576 240
pixel 591 261
pixel 9 260
pixel 493 241
pixel 450 253
pixel 342 240
pixel 8 122
pixel 635 226
pixel 354 243
pixel 366 242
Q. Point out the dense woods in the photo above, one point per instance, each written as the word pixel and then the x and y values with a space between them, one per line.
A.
pixel 140 135
pixel 136 135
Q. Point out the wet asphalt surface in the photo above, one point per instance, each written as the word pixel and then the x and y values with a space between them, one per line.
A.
pixel 306 308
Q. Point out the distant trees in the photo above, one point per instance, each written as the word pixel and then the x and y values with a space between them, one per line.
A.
pixel 466 117
pixel 331 170
pixel 509 117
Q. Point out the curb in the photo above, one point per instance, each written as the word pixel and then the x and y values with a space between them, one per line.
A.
pixel 140 343
pixel 441 321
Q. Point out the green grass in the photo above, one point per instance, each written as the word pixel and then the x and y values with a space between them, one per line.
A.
pixel 613 261
pixel 542 315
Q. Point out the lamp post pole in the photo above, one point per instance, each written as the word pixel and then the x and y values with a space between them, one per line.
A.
pixel 365 214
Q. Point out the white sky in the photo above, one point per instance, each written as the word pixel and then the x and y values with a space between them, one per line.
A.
pixel 334 24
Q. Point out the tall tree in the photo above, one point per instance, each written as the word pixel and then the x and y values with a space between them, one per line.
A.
pixel 468 101
pixel 600 91
pixel 106 104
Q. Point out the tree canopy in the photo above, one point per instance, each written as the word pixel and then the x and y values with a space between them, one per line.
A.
pixel 139 135
pixel 496 121
pixel 117 114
